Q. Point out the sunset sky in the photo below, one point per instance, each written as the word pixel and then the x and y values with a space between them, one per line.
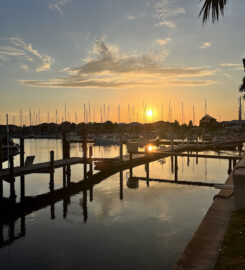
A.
pixel 119 52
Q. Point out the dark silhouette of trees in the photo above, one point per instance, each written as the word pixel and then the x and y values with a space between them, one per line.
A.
pixel 215 7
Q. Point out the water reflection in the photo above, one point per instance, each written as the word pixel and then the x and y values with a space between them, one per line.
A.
pixel 140 225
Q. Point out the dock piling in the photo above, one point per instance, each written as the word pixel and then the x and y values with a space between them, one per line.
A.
pixel 12 179
pixel 175 167
pixel 91 194
pixel 51 183
pixel 229 169
pixel 90 160
pixel 22 152
pixel 131 169
pixel 85 149
pixel 147 173
pixel 121 186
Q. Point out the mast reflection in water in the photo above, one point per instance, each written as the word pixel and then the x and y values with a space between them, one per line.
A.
pixel 118 223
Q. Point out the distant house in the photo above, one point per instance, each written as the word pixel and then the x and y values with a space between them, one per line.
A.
pixel 208 122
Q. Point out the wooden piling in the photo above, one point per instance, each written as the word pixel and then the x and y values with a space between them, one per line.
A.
pixel 22 164
pixel 51 183
pixel 147 174
pixel 130 169
pixel 175 167
pixel 85 155
pixel 90 160
pixel 229 168
pixel 91 194
pixel 121 186
pixel 52 211
pixel 22 152
pixel 12 179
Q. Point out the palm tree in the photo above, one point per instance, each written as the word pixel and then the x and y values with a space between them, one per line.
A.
pixel 215 7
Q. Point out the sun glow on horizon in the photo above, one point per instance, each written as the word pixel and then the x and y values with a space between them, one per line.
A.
pixel 149 113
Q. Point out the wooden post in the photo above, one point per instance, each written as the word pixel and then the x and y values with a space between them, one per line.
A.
pixel 22 188
pixel 197 158
pixel 229 168
pixel 121 186
pixel 131 169
pixel 188 159
pixel 12 180
pixel 91 194
pixel 234 163
pixel 90 161
pixel 176 167
pixel 22 164
pixel 51 183
pixel 52 211
pixel 68 173
pixel 22 152
pixel 1 166
pixel 147 173
pixel 85 156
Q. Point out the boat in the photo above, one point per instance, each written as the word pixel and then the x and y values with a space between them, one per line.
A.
pixel 106 140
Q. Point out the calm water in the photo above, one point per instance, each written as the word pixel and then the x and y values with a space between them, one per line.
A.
pixel 121 228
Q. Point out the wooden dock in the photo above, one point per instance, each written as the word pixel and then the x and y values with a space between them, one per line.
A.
pixel 43 167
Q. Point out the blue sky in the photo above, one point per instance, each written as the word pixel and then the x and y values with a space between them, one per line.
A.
pixel 115 52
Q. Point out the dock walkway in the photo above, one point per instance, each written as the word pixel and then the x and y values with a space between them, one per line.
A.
pixel 43 167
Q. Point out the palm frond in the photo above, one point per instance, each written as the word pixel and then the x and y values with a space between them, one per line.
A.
pixel 215 7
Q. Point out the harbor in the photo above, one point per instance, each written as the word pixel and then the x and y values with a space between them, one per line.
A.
pixel 122 135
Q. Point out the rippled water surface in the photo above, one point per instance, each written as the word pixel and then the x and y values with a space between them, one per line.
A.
pixel 111 226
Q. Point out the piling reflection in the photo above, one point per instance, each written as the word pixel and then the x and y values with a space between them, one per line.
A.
pixel 86 187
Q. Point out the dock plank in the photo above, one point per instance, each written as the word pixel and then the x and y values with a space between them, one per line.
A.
pixel 39 167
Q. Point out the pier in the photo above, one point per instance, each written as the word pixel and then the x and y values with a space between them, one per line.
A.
pixel 105 166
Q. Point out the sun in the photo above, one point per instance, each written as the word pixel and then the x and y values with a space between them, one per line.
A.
pixel 149 113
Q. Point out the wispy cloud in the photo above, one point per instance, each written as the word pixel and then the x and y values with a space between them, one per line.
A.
pixel 164 9
pixel 131 18
pixel 58 5
pixel 108 68
pixel 232 66
pixel 11 51
pixel 205 45
pixel 169 24
pixel 24 66
pixel 163 41
pixel 20 48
